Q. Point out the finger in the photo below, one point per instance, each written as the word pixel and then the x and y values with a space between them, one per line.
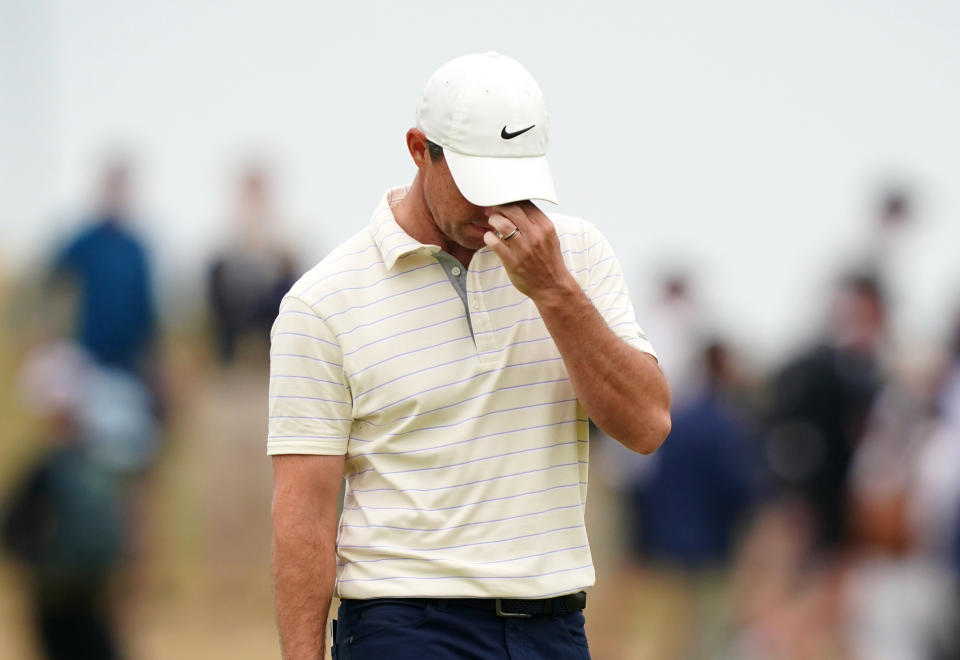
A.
pixel 533 215
pixel 514 213
pixel 495 244
pixel 532 212
pixel 501 224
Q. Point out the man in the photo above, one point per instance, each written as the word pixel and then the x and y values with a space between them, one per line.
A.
pixel 445 359
pixel 110 268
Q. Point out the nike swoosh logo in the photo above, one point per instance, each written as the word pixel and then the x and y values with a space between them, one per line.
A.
pixel 509 136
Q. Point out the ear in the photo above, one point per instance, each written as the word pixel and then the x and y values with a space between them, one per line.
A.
pixel 417 146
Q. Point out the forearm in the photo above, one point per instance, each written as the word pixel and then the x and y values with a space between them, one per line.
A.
pixel 304 571
pixel 621 388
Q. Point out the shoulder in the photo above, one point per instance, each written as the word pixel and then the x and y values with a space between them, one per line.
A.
pixel 580 241
pixel 571 229
pixel 357 254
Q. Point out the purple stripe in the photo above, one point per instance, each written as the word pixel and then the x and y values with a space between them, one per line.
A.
pixel 462 545
pixel 342 272
pixel 414 373
pixel 507 327
pixel 615 308
pixel 461 525
pixel 458 317
pixel 468 483
pixel 305 357
pixel 405 353
pixel 303 437
pixel 382 239
pixel 301 334
pixel 602 279
pixel 310 398
pixel 464 421
pixel 319 380
pixel 586 249
pixel 632 322
pixel 350 254
pixel 516 343
pixel 470 563
pixel 367 286
pixel 463 380
pixel 377 302
pixel 602 261
pixel 594 299
pixel 465 577
pixel 487 270
pixel 501 286
pixel 294 311
pixel 470 398
pixel 406 311
pixel 497 309
pixel 410 245
pixel 458 442
pixel 458 506
pixel 473 460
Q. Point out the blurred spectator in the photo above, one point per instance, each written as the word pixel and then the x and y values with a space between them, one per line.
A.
pixel 784 605
pixel 248 278
pixel 894 214
pixel 673 324
pixel 109 266
pixel 66 521
pixel 703 479
pixel 820 402
pixel 906 498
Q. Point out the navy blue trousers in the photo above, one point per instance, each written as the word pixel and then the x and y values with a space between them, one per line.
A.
pixel 394 629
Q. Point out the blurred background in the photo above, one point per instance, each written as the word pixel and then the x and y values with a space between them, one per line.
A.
pixel 781 182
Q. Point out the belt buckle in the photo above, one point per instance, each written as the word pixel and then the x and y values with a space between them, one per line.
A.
pixel 511 615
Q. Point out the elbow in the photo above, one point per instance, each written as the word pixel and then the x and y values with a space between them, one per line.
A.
pixel 650 432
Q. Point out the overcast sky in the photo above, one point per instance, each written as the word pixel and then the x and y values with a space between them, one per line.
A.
pixel 744 138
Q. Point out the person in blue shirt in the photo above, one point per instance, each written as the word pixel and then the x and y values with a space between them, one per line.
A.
pixel 704 479
pixel 109 266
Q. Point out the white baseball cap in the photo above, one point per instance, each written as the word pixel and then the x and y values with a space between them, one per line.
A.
pixel 488 114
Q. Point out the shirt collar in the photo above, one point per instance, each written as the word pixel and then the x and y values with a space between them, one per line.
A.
pixel 392 241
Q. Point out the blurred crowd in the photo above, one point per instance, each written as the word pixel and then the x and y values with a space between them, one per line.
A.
pixel 808 509
pixel 93 380
pixel 824 490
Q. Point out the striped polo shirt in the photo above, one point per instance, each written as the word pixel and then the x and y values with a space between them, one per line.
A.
pixel 466 449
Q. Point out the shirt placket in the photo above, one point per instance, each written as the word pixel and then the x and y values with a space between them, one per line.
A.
pixel 485 340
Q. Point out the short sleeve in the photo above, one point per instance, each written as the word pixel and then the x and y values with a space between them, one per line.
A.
pixel 310 407
pixel 607 289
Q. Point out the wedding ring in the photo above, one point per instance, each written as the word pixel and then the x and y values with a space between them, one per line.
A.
pixel 510 235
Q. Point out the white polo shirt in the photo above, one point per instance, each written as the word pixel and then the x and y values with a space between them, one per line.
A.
pixel 466 449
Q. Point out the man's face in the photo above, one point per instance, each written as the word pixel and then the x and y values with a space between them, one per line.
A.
pixel 459 220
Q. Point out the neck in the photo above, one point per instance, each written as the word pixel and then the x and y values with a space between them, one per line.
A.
pixel 413 215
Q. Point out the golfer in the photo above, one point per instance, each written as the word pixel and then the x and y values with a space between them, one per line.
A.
pixel 445 361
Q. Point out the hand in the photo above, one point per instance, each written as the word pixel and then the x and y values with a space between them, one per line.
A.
pixel 532 256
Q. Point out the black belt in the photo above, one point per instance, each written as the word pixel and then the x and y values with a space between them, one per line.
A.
pixel 507 607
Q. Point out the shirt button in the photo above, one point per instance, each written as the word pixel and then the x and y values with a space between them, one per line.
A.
pixel 456 271
pixel 475 304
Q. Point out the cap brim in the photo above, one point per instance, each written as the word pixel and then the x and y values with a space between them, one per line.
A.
pixel 487 181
